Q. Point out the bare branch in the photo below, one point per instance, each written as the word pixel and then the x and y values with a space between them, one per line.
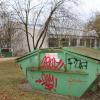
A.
pixel 48 20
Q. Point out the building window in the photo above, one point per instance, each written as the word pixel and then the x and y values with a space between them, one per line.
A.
pixel 81 42
pixel 92 43
pixel 53 42
pixel 87 42
pixel 73 42
pixel 98 43
pixel 65 42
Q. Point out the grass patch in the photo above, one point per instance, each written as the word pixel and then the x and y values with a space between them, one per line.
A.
pixel 10 77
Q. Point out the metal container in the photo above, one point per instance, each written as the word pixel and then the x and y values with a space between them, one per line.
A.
pixel 6 52
pixel 65 71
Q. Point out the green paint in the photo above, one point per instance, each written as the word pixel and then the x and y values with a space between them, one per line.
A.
pixel 71 79
pixel 6 53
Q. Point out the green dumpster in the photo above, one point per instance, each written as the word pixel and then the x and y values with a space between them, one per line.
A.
pixel 6 52
pixel 65 71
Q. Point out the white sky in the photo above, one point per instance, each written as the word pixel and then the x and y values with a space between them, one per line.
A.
pixel 88 7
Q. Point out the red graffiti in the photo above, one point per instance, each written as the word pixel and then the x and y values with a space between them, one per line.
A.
pixel 50 63
pixel 48 81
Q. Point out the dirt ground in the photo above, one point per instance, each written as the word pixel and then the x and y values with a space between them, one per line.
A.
pixel 11 78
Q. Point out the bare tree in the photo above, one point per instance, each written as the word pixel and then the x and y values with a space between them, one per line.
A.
pixel 23 13
pixel 94 23
pixel 56 13
pixel 36 12
pixel 45 28
pixel 7 27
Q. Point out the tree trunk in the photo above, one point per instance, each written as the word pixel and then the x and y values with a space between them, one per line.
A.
pixel 27 38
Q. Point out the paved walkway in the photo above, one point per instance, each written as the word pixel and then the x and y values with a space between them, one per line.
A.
pixel 6 59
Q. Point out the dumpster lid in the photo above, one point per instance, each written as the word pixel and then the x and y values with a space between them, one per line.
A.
pixel 89 52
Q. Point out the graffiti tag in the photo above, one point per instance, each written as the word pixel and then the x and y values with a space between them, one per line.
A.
pixel 77 63
pixel 51 63
pixel 48 81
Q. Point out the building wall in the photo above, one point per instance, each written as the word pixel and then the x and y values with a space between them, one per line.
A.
pixel 74 41
pixel 19 43
pixel 78 39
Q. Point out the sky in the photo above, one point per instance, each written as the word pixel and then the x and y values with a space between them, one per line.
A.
pixel 85 9
pixel 88 7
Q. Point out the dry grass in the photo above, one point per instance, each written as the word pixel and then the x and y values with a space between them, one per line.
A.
pixel 94 53
pixel 10 77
